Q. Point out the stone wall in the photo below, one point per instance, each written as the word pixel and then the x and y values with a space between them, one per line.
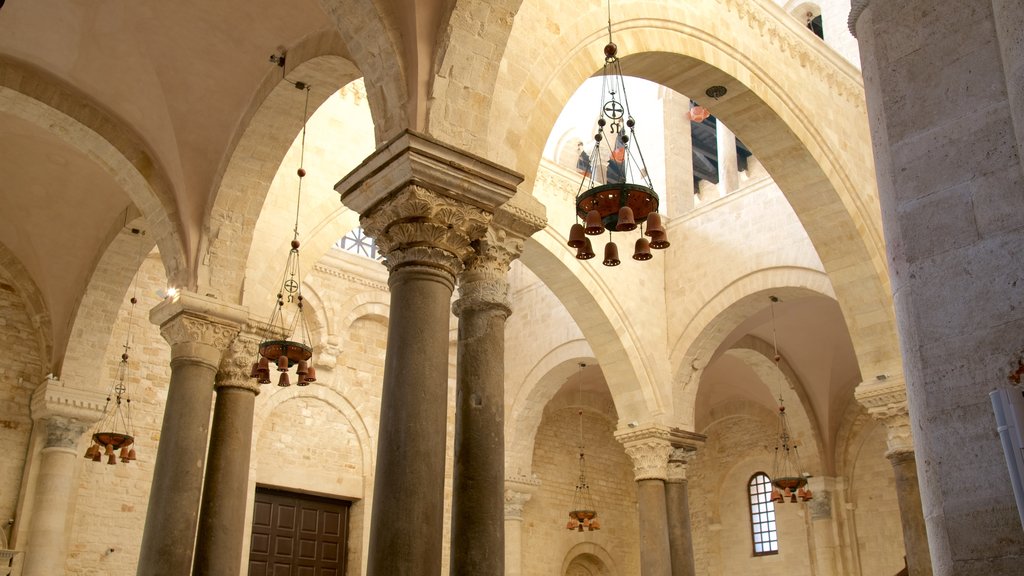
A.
pixel 546 542
pixel 18 374
pixel 876 523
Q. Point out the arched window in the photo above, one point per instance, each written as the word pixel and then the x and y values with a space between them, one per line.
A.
pixel 762 515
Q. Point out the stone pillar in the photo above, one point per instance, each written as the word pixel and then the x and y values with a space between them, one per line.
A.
pixel 425 204
pixel 199 330
pixel 950 177
pixel 649 449
pixel 728 164
pixel 821 527
pixel 679 152
pixel 63 415
pixel 677 503
pixel 478 531
pixel 886 401
pixel 518 492
pixel 226 487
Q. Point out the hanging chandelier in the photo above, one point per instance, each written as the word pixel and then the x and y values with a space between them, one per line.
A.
pixel 115 432
pixel 788 479
pixel 583 514
pixel 275 348
pixel 621 198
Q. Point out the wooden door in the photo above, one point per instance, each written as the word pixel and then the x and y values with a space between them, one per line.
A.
pixel 297 535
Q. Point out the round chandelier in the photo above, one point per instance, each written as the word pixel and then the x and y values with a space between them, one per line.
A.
pixel 621 197
pixel 275 349
pixel 788 480
pixel 583 514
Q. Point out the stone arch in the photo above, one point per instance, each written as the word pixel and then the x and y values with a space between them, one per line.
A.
pixel 326 393
pixel 756 50
pixel 541 383
pixel 461 93
pixel 721 314
pixel 373 41
pixel 105 294
pixel 257 153
pixel 758 354
pixel 12 272
pixel 630 370
pixel 112 144
pixel 590 556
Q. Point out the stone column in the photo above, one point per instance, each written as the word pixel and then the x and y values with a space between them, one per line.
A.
pixel 728 164
pixel 821 527
pixel 226 486
pixel 425 204
pixel 649 449
pixel 518 492
pixel 886 401
pixel 677 503
pixel 950 177
pixel 478 531
pixel 199 330
pixel 63 415
pixel 679 151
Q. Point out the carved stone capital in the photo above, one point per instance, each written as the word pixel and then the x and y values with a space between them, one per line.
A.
pixel 67 413
pixel 678 459
pixel 514 503
pixel 886 401
pixel 418 227
pixel 198 328
pixel 483 295
pixel 236 366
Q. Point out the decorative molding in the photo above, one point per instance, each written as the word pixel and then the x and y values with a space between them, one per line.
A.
pixel 66 412
pixel 857 7
pixel 886 401
pixel 650 458
pixel 412 158
pixel 677 463
pixel 328 270
pixel 515 501
pixel 418 227
pixel 236 367
pixel 198 327
pixel 782 35
pixel 489 294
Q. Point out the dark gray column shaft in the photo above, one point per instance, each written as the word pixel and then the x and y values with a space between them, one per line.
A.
pixel 908 494
pixel 654 542
pixel 677 503
pixel 478 523
pixel 226 489
pixel 408 495
pixel 170 532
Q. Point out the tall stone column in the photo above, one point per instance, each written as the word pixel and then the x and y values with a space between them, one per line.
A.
pixel 728 163
pixel 886 401
pixel 821 528
pixel 425 204
pixel 64 415
pixel 677 503
pixel 226 486
pixel 649 450
pixel 199 330
pixel 678 147
pixel 950 176
pixel 518 492
pixel 478 491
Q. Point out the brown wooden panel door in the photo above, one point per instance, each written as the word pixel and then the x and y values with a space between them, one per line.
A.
pixel 297 535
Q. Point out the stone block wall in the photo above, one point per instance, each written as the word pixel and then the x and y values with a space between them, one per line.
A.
pixel 19 376
pixel 546 542
pixel 876 520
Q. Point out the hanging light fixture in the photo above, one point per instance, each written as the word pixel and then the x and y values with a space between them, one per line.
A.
pixel 788 480
pixel 622 197
pixel 583 515
pixel 115 432
pixel 275 349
